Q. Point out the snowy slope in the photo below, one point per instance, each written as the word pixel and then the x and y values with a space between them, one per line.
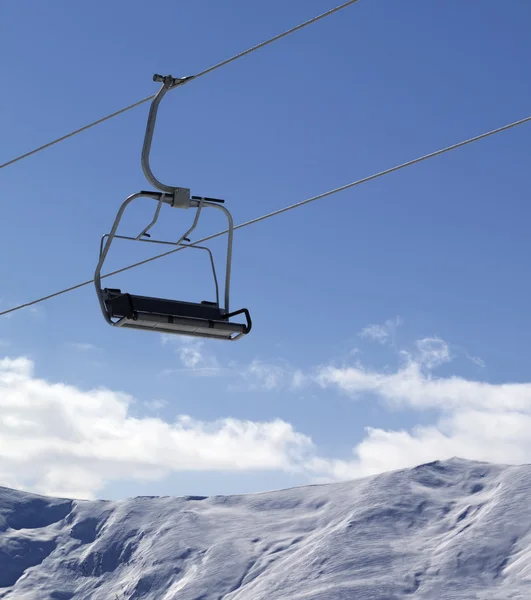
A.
pixel 454 529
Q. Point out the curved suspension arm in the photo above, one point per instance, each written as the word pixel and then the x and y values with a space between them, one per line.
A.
pixel 168 83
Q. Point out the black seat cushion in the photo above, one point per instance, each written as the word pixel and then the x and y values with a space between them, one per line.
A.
pixel 125 305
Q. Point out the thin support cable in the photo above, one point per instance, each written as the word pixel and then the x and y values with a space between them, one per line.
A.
pixel 280 211
pixel 205 72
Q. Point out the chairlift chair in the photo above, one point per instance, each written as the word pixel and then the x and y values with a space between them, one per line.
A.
pixel 204 319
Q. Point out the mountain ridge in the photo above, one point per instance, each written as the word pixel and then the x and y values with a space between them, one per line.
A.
pixel 444 529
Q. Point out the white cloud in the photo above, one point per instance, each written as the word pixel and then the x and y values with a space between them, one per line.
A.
pixel 254 376
pixel 463 352
pixel 476 419
pixel 378 333
pixel 261 375
pixel 493 436
pixel 82 346
pixel 264 376
pixel 61 440
pixel 410 386
pixel 476 360
pixel 155 405
pixel 432 352
pixel 193 356
pixel 381 333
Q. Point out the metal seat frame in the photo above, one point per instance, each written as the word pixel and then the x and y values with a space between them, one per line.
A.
pixel 205 319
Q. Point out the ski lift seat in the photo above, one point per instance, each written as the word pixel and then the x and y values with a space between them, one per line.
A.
pixel 204 319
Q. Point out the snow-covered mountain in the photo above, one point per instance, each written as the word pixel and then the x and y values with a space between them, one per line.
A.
pixel 445 530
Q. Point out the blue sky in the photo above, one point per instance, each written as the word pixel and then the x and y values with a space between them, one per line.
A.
pixel 400 305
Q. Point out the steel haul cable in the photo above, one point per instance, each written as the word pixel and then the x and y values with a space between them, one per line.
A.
pixel 285 209
pixel 201 74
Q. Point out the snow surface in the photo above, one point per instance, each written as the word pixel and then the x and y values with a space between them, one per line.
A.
pixel 452 529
